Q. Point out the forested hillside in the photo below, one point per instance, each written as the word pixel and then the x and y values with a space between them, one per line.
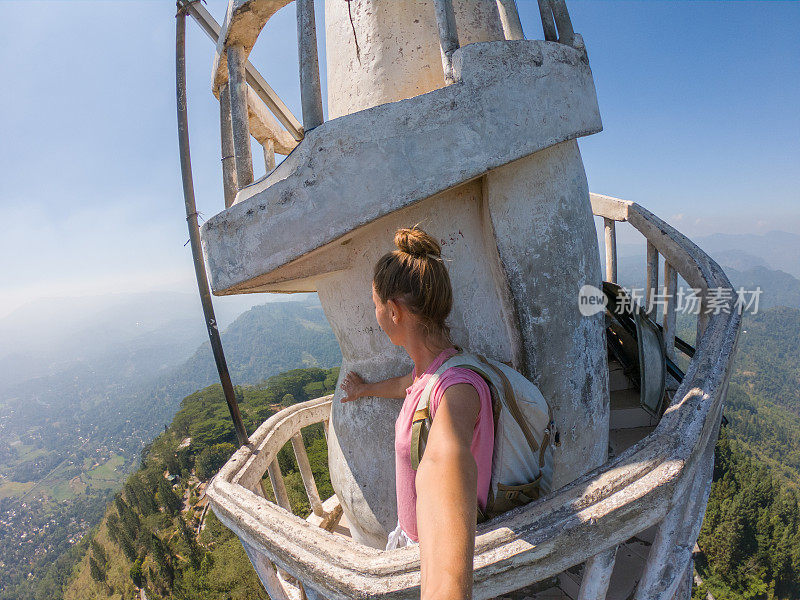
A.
pixel 69 440
pixel 159 536
pixel 266 340
pixel 750 539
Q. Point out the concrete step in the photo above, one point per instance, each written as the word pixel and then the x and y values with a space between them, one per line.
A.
pixel 617 380
pixel 629 564
pixel 620 440
pixel 627 413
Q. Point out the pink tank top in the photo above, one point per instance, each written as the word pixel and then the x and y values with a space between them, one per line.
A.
pixel 482 437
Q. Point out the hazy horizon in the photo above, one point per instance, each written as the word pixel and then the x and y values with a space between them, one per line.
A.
pixel 700 127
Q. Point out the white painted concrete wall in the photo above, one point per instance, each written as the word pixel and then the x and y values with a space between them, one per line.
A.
pixel 520 242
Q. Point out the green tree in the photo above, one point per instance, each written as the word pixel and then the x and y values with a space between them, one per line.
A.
pixel 126 544
pixel 212 458
pixel 139 494
pixel 163 560
pixel 112 522
pixel 99 554
pixel 96 571
pixel 168 498
pixel 192 547
pixel 130 520
pixel 137 575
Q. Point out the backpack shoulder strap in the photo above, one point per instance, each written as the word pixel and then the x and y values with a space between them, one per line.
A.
pixel 421 422
pixel 511 403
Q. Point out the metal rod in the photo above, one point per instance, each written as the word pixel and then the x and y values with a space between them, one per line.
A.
pixel 240 118
pixel 652 279
pixel 194 230
pixel 229 185
pixel 448 36
pixel 548 27
pixel 509 16
pixel 310 87
pixel 566 35
pixel 611 249
pixel 256 81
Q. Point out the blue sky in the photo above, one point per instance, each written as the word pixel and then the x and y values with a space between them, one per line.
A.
pixel 699 103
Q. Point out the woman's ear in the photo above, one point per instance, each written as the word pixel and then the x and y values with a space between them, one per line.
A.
pixel 394 311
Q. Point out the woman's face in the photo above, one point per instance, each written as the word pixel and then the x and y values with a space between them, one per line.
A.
pixel 384 316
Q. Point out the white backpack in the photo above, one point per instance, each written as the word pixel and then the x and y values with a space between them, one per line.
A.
pixel 524 433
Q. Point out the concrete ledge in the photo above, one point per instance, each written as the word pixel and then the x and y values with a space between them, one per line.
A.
pixel 512 100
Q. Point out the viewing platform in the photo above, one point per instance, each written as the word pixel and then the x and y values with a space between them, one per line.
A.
pixel 630 524
pixel 456 120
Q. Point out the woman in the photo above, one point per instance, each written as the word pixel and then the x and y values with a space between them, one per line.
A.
pixel 437 504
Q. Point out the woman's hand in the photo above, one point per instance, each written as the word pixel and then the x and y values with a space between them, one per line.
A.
pixel 353 387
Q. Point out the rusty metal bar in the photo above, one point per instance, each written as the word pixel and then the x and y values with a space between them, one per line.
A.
pixel 310 87
pixel 448 36
pixel 229 185
pixel 566 35
pixel 194 230
pixel 240 119
pixel 548 27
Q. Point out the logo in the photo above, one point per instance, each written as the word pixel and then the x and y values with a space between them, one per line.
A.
pixel 591 300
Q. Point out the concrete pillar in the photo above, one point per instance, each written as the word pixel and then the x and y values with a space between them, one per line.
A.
pixel 394 52
pixel 546 238
pixel 520 244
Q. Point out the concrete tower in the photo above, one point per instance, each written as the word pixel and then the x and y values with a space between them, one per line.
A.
pixel 443 115
pixel 519 243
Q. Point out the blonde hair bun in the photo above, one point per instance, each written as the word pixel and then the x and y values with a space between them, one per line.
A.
pixel 415 275
pixel 416 242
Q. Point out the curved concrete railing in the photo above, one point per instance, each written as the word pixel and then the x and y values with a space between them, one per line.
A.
pixel 662 480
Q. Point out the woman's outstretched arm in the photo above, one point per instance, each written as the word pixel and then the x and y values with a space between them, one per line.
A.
pixel 447 483
pixel 354 387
